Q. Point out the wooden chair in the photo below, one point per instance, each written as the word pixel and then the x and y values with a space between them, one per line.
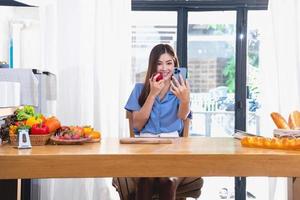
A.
pixel 189 187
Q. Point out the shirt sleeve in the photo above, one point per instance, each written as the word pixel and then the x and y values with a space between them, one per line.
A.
pixel 133 100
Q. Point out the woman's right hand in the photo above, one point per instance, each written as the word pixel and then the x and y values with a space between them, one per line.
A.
pixel 155 86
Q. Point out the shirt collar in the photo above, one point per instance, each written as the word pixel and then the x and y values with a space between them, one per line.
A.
pixel 166 98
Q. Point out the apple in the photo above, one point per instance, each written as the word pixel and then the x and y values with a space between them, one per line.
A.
pixel 76 136
pixel 159 77
pixel 67 137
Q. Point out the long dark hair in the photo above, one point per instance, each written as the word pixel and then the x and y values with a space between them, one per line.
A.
pixel 155 54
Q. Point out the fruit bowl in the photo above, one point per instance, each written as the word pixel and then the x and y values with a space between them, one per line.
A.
pixel 57 140
pixel 94 140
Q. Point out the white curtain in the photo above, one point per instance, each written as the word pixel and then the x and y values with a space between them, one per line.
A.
pixel 92 60
pixel 280 61
pixel 280 75
pixel 87 44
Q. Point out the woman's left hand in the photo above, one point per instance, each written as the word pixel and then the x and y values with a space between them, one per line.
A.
pixel 181 89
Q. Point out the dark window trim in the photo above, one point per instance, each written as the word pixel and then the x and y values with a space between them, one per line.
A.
pixel 241 69
pixel 182 20
pixel 204 4
pixel 240 87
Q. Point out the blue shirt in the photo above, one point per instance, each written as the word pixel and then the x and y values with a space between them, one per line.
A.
pixel 163 117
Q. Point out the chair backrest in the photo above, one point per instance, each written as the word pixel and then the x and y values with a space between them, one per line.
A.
pixel 186 125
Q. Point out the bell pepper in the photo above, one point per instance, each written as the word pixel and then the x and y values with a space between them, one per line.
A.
pixel 33 120
pixel 39 129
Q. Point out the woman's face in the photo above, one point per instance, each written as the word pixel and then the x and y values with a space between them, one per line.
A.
pixel 165 65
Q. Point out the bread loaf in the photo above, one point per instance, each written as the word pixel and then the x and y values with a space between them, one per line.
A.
pixel 294 120
pixel 279 121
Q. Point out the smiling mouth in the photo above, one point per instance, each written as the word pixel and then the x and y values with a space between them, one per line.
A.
pixel 165 74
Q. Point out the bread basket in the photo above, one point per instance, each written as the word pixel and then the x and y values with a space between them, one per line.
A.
pixel 286 133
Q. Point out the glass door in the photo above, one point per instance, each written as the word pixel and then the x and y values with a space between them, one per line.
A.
pixel 211 66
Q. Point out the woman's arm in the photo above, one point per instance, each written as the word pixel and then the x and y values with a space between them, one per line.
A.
pixel 183 110
pixel 182 92
pixel 141 117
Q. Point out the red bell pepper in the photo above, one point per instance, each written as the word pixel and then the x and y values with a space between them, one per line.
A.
pixel 39 129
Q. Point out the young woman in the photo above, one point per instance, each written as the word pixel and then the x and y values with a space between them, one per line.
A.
pixel 159 106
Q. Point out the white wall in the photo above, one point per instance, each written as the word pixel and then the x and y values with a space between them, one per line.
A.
pixel 25 26
pixel 5 16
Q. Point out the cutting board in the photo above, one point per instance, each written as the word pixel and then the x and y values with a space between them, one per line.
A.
pixel 147 140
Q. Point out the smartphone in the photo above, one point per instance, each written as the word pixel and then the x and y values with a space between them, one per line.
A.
pixel 180 70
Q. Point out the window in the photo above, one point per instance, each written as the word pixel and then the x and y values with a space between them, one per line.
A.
pixel 211 55
pixel 148 29
pixel 256 30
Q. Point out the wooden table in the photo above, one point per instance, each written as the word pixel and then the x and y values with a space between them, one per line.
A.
pixel 185 157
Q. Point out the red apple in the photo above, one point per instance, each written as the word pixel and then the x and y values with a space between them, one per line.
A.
pixel 76 136
pixel 159 77
pixel 67 137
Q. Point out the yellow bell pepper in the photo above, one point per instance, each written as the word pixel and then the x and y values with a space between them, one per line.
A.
pixel 33 120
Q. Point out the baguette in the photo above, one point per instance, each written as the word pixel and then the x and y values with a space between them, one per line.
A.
pixel 279 121
pixel 294 120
